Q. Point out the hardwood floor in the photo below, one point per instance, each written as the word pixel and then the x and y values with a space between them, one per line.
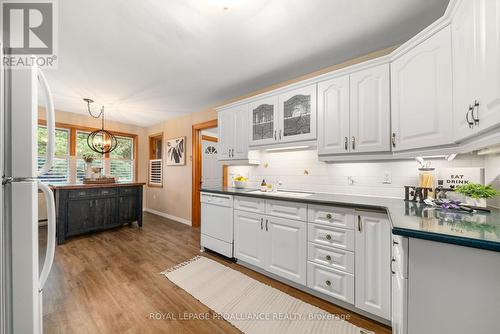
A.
pixel 110 282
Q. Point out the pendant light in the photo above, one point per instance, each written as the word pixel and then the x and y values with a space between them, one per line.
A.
pixel 100 141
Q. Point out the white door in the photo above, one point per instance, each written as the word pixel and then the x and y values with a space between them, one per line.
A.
pixel 488 111
pixel 211 167
pixel 466 47
pixel 249 243
pixel 264 120
pixel 240 149
pixel 370 110
pixel 333 116
pixel 286 247
pixel 225 124
pixel 373 264
pixel 297 115
pixel 421 87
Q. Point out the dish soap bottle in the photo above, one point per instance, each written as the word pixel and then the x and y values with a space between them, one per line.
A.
pixel 263 186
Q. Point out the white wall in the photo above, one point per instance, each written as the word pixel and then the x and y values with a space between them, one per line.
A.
pixel 291 167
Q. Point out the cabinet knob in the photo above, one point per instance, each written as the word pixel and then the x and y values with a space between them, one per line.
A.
pixel 328 216
pixel 328 257
pixel 328 237
pixel 328 283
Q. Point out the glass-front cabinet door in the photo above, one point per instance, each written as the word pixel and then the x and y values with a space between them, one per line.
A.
pixel 297 115
pixel 263 118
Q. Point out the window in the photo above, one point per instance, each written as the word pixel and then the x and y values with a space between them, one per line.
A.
pixel 82 148
pixel 155 171
pixel 60 168
pixel 121 160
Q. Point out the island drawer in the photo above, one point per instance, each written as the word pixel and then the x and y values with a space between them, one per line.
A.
pixel 286 209
pixel 128 190
pixel 331 257
pixel 334 283
pixel 331 216
pixel 331 236
pixel 249 204
pixel 82 193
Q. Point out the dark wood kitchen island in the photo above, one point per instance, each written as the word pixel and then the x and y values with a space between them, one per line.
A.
pixel 83 208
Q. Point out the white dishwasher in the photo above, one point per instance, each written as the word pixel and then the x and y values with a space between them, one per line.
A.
pixel 217 223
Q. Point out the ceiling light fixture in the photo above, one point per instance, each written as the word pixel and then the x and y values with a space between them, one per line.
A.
pixel 100 141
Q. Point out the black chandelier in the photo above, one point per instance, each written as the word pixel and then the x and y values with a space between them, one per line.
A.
pixel 100 141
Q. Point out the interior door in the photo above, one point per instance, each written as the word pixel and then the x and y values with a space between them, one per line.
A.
pixel 264 121
pixel 373 264
pixel 421 88
pixel 370 110
pixel 333 116
pixel 249 244
pixel 286 247
pixel 297 114
pixel 211 167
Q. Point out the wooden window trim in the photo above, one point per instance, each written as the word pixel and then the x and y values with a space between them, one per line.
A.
pixel 72 144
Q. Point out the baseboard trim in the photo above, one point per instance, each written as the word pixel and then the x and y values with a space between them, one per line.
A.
pixel 168 216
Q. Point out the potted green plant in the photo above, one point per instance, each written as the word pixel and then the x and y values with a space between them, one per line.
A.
pixel 476 194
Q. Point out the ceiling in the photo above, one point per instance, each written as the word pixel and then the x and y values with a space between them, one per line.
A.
pixel 151 60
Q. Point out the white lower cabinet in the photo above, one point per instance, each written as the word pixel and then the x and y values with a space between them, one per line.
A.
pixel 249 245
pixel 373 264
pixel 334 283
pixel 286 245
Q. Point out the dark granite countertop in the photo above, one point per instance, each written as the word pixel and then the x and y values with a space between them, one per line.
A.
pixel 416 220
pixel 80 185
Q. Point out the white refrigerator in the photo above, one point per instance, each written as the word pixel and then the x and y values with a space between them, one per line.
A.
pixel 21 278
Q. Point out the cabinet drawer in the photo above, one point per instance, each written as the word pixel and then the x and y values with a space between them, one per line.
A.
pixel 249 204
pixel 285 209
pixel 334 283
pixel 331 257
pixel 128 190
pixel 92 192
pixel 331 236
pixel 331 216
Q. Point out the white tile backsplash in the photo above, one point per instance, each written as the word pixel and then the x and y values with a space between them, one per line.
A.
pixel 368 177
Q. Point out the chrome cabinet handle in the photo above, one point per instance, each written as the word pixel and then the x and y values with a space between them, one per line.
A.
pixel 275 138
pixel 346 143
pixel 328 257
pixel 393 140
pixel 474 107
pixel 359 223
pixel 328 216
pixel 471 123
pixel 392 270
pixel 280 134
pixel 261 223
pixel 353 142
pixel 328 237
pixel 328 283
pixel 266 224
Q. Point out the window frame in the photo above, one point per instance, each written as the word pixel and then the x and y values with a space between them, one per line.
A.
pixel 72 146
pixel 66 156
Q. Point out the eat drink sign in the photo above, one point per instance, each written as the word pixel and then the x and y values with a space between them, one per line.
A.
pixel 453 177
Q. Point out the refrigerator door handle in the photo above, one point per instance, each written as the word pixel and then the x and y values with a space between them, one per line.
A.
pixel 51 233
pixel 51 124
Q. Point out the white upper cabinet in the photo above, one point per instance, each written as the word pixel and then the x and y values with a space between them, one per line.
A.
pixel 421 87
pixel 297 115
pixel 333 116
pixel 288 117
pixel 370 116
pixel 264 121
pixel 233 134
pixel 354 112
pixel 476 67
pixel 373 264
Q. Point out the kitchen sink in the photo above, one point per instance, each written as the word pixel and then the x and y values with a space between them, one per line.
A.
pixel 281 193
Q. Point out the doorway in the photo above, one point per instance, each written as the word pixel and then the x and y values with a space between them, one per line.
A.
pixel 207 170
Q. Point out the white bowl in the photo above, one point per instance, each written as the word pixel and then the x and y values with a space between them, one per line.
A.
pixel 240 184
